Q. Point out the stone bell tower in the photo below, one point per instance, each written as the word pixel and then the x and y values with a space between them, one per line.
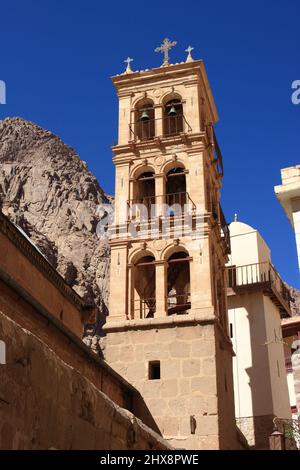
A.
pixel 167 330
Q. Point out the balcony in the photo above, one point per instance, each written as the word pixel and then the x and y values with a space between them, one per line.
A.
pixel 216 151
pixel 260 277
pixel 176 304
pixel 225 234
pixel 146 208
pixel 167 126
pixel 144 308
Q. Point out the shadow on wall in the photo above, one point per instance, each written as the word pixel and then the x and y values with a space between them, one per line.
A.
pixel 260 424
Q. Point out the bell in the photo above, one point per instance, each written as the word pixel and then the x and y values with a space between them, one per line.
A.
pixel 144 116
pixel 172 111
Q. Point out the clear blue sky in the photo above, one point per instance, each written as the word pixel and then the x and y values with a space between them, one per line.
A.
pixel 57 56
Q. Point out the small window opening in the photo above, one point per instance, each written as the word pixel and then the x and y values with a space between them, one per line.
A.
pixel 231 330
pixel 154 370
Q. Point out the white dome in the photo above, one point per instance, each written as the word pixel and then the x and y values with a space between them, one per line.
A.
pixel 238 228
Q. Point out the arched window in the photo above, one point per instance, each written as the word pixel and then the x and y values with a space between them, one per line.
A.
pixel 173 117
pixel 144 120
pixel 144 194
pixel 176 187
pixel 178 283
pixel 144 287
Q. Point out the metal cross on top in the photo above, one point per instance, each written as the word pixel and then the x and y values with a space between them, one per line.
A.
pixel 127 61
pixel 166 45
pixel 189 57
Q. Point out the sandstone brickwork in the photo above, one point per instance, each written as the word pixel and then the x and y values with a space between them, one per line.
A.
pixel 188 389
pixel 46 403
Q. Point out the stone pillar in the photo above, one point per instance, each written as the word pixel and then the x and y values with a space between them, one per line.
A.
pixel 200 276
pixel 118 284
pixel 160 195
pixel 158 121
pixel 161 288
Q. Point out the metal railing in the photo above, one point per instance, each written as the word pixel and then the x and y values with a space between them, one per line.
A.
pixel 146 207
pixel 258 273
pixel 148 129
pixel 225 234
pixel 178 303
pixel 216 151
pixel 144 308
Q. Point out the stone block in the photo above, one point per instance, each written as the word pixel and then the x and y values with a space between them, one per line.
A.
pixel 212 405
pixel 196 405
pixel 170 369
pixel 156 351
pixel 203 348
pixel 151 388
pixel 204 385
pixel 208 366
pixel 169 388
pixel 127 353
pixel 177 407
pixel 139 352
pixel 144 336
pixel 136 371
pixel 185 426
pixel 191 367
pixel 112 354
pixel 188 332
pixel 207 425
pixel 166 334
pixel 170 426
pixel 180 349
pixel 157 406
pixel 184 386
pixel 116 339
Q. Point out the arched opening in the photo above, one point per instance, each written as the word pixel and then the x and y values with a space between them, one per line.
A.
pixel 176 187
pixel 144 288
pixel 144 120
pixel 173 117
pixel 178 283
pixel 144 194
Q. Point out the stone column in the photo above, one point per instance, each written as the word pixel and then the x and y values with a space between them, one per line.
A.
pixel 200 274
pixel 161 288
pixel 118 284
pixel 158 121
pixel 160 196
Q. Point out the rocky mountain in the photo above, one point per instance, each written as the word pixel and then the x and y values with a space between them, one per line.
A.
pixel 295 301
pixel 48 191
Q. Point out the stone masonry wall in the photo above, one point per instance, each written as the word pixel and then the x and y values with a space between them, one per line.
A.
pixel 187 389
pixel 45 403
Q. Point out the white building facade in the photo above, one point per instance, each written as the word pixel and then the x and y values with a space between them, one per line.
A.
pixel 288 194
pixel 257 300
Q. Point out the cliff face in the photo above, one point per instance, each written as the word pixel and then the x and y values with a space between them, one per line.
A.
pixel 295 301
pixel 48 191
